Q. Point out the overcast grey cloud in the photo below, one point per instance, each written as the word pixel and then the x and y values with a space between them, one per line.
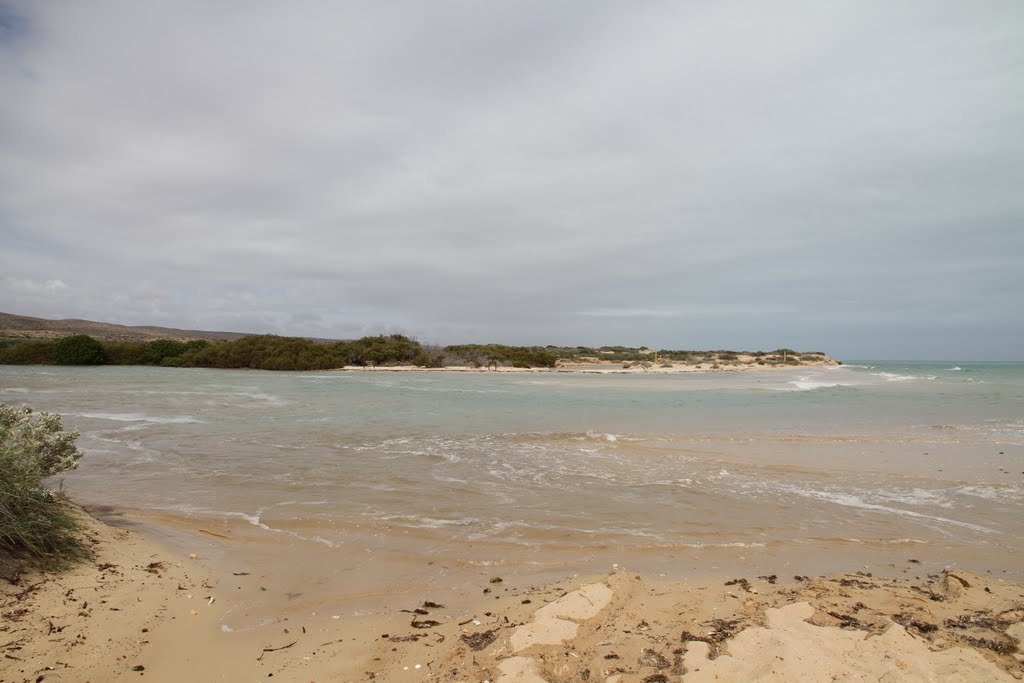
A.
pixel 842 176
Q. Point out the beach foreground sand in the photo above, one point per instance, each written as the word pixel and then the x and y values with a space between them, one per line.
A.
pixel 136 612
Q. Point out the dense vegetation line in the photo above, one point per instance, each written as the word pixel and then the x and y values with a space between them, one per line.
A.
pixel 268 352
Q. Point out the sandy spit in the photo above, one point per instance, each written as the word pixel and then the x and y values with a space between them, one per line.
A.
pixel 137 613
pixel 744 364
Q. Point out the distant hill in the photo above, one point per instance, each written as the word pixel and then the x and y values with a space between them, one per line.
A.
pixel 25 327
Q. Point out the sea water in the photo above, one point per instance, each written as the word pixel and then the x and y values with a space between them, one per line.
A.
pixel 382 474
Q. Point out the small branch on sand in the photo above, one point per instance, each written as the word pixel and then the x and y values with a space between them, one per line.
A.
pixel 213 533
pixel 275 649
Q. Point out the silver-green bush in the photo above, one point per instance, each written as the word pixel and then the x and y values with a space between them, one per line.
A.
pixel 35 522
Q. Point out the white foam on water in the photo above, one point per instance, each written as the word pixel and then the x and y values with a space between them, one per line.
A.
pixel 685 483
pixel 386 444
pixel 823 378
pixel 956 369
pixel 301 503
pixel 808 384
pixel 118 447
pixel 424 522
pixel 1007 494
pixel 854 501
pixel 256 520
pixel 620 531
pixel 916 496
pixel 893 377
pixel 272 399
pixel 454 390
pixel 164 392
pixel 590 435
pixel 867 541
pixel 734 544
pixel 140 417
pixel 253 519
pixel 1014 431
pixel 889 541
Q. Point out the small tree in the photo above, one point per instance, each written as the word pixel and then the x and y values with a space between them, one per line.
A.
pixel 33 520
pixel 79 349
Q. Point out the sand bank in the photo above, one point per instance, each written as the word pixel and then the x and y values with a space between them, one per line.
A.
pixel 747 364
pixel 136 612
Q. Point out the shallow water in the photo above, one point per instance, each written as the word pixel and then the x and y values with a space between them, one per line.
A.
pixel 375 474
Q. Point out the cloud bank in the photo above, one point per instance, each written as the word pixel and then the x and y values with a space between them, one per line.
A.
pixel 842 176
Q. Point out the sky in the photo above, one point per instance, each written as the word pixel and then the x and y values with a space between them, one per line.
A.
pixel 843 176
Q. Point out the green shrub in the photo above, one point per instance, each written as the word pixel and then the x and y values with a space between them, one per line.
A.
pixel 29 353
pixel 160 349
pixel 35 522
pixel 425 359
pixel 516 356
pixel 126 353
pixel 79 349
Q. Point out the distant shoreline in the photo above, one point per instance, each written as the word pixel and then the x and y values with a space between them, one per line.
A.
pixel 595 368
pixel 272 352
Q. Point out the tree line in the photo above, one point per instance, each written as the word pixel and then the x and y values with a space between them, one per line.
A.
pixel 267 352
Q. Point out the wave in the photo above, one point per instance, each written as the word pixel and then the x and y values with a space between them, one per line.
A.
pixel 734 544
pixel 865 541
pixel 253 519
pixel 807 384
pixel 916 496
pixel 1001 494
pixel 851 500
pixel 893 377
pixel 140 417
pixel 119 448
pixel 261 396
pixel 590 435
pixel 454 390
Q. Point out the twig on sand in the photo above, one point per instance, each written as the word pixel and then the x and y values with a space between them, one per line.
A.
pixel 275 649
pixel 213 533
pixel 283 647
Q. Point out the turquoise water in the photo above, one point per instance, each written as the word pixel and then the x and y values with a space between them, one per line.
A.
pixel 560 471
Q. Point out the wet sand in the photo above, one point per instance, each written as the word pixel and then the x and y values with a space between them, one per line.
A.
pixel 139 610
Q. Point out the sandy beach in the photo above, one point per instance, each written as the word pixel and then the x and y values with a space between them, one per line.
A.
pixel 136 611
pixel 743 363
